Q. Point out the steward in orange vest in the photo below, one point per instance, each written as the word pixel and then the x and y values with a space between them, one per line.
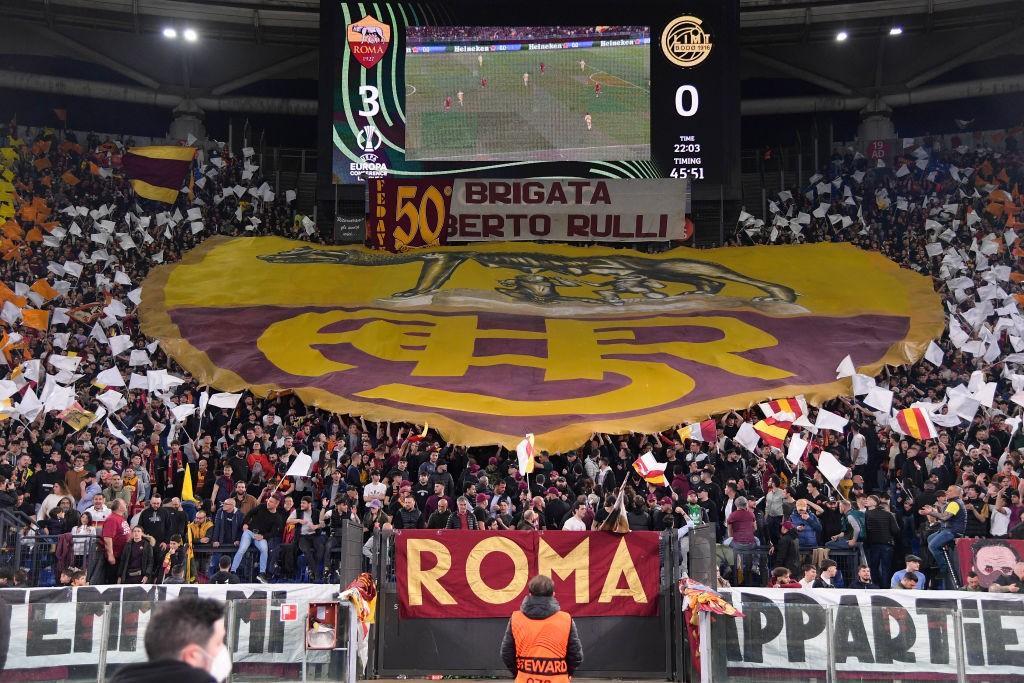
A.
pixel 541 644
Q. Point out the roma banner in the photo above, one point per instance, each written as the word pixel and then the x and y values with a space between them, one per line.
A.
pixel 416 213
pixel 484 575
pixel 490 343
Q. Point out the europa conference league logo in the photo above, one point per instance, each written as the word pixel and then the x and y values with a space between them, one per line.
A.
pixel 685 42
pixel 369 39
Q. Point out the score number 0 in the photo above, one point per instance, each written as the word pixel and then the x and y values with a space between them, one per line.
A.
pixel 687 100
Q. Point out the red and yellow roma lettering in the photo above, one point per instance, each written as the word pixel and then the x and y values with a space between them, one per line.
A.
pixel 485 575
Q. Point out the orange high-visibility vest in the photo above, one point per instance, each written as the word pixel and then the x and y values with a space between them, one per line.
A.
pixel 541 646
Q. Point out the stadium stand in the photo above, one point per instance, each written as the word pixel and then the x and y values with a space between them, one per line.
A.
pixel 80 243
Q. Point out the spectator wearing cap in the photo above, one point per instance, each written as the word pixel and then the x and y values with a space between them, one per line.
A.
pixel 787 548
pixel 666 517
pixel 555 509
pixel 913 566
pixel 463 516
pixel 374 518
pixel 827 575
pixel 482 509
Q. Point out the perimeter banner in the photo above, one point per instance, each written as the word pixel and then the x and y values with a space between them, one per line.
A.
pixel 408 214
pixel 873 633
pixel 61 627
pixel 989 558
pixel 483 575
pixel 490 343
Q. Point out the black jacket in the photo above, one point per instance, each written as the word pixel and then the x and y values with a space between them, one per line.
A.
pixel 534 607
pixel 880 527
pixel 262 521
pixel 787 552
pixel 147 561
pixel 161 671
pixel 224 577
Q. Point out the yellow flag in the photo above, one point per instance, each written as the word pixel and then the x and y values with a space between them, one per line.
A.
pixel 186 487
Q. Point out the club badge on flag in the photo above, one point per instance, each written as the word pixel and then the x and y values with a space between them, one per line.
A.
pixel 706 431
pixel 916 423
pixel 772 431
pixel 651 470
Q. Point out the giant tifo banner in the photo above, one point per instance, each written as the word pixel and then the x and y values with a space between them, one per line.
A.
pixel 989 558
pixel 61 627
pixel 880 634
pixel 481 575
pixel 406 214
pixel 492 342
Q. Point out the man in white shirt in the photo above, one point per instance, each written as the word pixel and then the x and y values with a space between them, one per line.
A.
pixel 375 490
pixel 858 448
pixel 810 574
pixel 576 523
pixel 99 510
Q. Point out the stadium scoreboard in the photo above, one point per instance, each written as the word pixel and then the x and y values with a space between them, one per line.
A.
pixel 590 89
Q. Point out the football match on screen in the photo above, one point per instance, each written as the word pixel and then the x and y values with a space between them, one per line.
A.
pixel 566 93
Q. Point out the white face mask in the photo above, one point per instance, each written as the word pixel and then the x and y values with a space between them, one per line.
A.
pixel 220 665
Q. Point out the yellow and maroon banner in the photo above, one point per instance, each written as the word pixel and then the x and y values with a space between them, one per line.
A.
pixel 482 575
pixel 490 343
pixel 157 173
pixel 409 214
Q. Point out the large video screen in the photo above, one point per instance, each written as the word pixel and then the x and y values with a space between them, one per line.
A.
pixel 456 88
pixel 537 93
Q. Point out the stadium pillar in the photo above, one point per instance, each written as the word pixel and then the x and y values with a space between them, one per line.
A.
pixel 876 122
pixel 188 119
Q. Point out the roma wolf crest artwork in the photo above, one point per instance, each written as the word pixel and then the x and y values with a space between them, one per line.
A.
pixel 491 343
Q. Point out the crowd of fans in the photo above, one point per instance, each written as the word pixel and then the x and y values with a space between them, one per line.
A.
pixel 112 490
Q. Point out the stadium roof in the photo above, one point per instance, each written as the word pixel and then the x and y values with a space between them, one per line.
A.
pixel 112 49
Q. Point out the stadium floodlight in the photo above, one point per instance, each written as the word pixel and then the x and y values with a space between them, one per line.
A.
pixel 170 33
pixel 841 36
pixel 190 35
pixel 896 31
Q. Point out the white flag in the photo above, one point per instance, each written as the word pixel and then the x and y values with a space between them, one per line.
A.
pixel 831 468
pixel 934 354
pixel 829 420
pixel 797 448
pixel 118 433
pixel 300 466
pixel 747 437
pixel 222 400
pixel 846 368
pixel 111 377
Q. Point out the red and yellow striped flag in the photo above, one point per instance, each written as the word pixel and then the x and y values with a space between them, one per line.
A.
pixel 916 423
pixel 773 431
pixel 158 172
pixel 796 405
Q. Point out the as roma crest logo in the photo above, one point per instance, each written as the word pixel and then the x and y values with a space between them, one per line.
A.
pixel 369 39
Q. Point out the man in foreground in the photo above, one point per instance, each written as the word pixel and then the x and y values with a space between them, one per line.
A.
pixel 541 642
pixel 184 644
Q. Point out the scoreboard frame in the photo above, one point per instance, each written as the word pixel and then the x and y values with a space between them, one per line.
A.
pixel 694 91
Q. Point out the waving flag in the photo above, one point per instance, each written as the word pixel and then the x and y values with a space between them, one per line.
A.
pixel 705 431
pixel 525 452
pixel 796 406
pixel 916 423
pixel 772 431
pixel 651 470
pixel 158 172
